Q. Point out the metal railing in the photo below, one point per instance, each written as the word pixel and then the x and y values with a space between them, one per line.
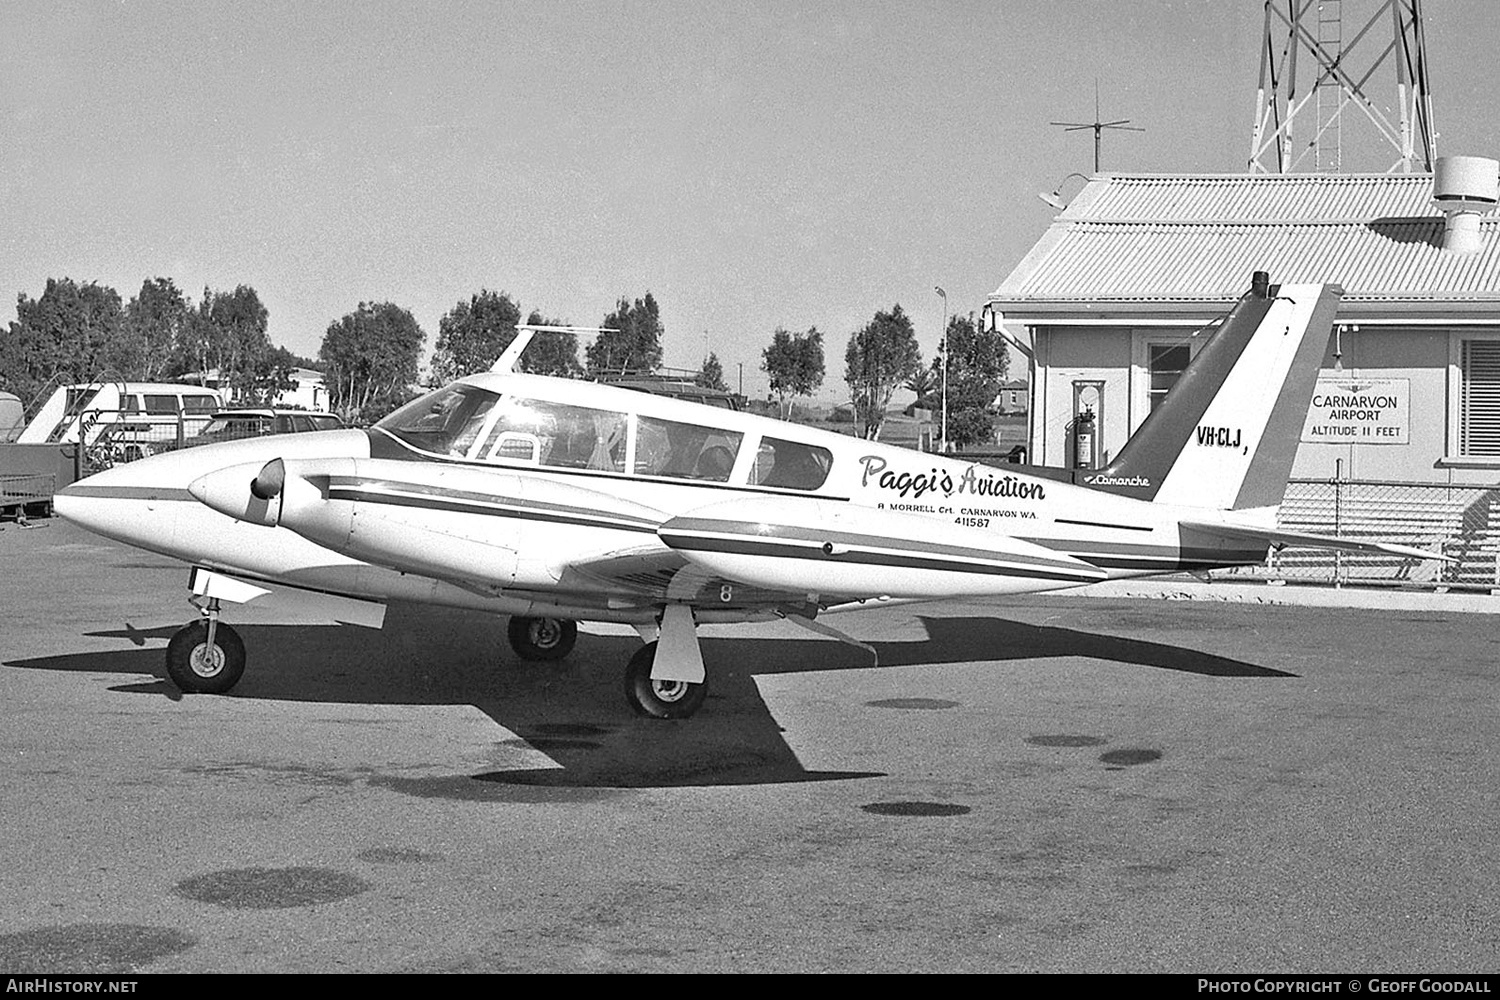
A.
pixel 116 436
pixel 1460 521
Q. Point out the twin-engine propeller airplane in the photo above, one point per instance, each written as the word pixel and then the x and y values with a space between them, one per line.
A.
pixel 556 501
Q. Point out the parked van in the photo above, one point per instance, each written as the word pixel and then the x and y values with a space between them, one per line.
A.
pixel 131 418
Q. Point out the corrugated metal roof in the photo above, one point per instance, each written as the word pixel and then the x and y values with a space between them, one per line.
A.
pixel 1198 238
pixel 1255 198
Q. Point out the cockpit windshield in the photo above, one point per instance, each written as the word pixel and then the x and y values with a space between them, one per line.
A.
pixel 444 422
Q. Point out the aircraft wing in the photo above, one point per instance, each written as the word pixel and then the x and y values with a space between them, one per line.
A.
pixel 652 574
pixel 1296 539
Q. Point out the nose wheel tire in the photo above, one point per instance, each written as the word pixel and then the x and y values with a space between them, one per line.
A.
pixel 198 668
pixel 659 699
pixel 542 638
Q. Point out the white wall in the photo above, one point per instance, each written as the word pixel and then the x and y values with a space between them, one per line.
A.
pixel 1418 353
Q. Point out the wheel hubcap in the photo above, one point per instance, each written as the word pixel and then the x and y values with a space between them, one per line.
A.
pixel 206 660
pixel 670 691
pixel 545 633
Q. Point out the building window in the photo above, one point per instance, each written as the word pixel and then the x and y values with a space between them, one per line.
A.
pixel 1479 399
pixel 1165 363
pixel 1158 357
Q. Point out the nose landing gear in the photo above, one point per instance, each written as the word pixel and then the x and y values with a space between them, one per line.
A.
pixel 206 656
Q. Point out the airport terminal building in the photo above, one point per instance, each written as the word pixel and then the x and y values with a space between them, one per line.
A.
pixel 1111 297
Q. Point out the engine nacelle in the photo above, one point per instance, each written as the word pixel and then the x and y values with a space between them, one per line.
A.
pixel 445 521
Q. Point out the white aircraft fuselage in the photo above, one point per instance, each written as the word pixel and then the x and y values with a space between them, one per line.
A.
pixel 554 501
pixel 367 514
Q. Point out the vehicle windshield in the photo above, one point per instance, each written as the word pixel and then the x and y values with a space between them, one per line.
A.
pixel 235 426
pixel 444 422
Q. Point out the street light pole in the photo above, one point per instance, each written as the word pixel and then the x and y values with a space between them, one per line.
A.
pixel 943 346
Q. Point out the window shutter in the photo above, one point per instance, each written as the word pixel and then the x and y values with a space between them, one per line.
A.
pixel 1479 419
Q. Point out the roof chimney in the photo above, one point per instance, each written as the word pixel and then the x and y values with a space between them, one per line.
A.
pixel 1464 188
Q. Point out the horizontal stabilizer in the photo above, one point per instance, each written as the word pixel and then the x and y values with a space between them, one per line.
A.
pixel 1295 539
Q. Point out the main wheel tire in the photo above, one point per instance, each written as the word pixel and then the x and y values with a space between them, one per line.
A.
pixel 659 699
pixel 542 638
pixel 197 668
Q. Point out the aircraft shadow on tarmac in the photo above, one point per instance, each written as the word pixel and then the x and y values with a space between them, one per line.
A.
pixel 573 710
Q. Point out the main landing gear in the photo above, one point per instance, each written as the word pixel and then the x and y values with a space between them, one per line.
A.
pixel 206 656
pixel 659 699
pixel 673 696
pixel 541 639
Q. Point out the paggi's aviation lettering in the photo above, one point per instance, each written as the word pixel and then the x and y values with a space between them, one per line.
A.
pixel 970 482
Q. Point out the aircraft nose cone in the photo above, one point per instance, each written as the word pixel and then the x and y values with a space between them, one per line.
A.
pixel 132 503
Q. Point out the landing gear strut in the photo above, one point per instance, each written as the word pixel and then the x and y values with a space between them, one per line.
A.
pixel 659 699
pixel 542 638
pixel 206 656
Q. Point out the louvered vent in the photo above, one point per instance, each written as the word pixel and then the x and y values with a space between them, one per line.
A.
pixel 1479 424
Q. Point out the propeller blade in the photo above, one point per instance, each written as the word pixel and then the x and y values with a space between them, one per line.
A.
pixel 268 482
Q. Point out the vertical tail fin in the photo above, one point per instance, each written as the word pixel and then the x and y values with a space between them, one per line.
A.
pixel 1226 434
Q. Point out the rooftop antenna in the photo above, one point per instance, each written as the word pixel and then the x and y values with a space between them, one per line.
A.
pixel 1098 126
pixel 1340 70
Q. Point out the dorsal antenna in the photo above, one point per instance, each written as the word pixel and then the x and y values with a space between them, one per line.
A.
pixel 506 363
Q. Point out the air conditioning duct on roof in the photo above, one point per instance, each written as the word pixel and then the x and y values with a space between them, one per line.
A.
pixel 1464 188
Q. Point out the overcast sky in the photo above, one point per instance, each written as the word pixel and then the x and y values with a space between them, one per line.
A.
pixel 752 164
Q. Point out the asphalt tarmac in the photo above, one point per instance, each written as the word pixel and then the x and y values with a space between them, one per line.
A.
pixel 1049 783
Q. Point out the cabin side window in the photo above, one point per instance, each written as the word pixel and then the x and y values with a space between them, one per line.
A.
pixel 685 451
pixel 791 464
pixel 556 434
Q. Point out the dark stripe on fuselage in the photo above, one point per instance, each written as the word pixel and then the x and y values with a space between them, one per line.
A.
pixel 818 536
pixel 382 487
pixel 1158 558
pixel 492 508
pixel 789 550
pixel 1101 524
pixel 125 492
pixel 1222 561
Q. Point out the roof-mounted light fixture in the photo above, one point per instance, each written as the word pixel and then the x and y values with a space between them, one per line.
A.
pixel 1055 199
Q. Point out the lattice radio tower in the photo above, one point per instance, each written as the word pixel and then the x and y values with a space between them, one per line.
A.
pixel 1334 78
